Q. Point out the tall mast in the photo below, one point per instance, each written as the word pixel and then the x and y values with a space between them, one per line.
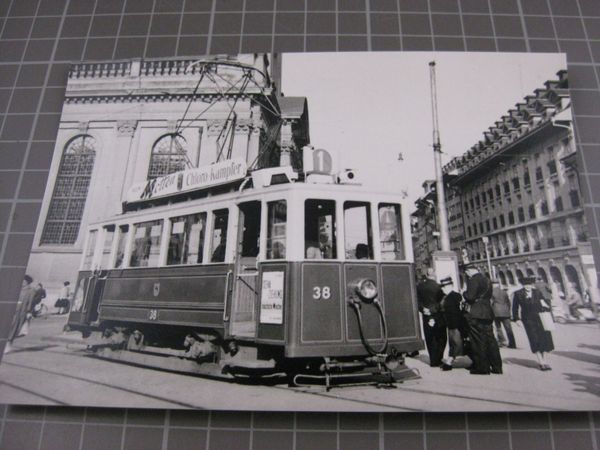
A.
pixel 437 155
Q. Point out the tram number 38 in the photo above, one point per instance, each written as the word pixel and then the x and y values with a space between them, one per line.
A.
pixel 321 293
pixel 153 314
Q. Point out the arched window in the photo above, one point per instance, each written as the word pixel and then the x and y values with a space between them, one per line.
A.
pixel 70 191
pixel 169 155
pixel 510 278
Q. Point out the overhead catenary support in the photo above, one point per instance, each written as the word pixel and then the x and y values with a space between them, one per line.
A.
pixel 439 177
pixel 445 261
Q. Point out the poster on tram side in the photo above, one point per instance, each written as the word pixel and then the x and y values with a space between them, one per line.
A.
pixel 298 231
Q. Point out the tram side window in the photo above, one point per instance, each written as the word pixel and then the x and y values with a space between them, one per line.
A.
pixel 89 251
pixel 146 244
pixel 109 236
pixel 123 233
pixel 358 241
pixel 390 232
pixel 187 239
pixel 276 229
pixel 319 229
pixel 219 235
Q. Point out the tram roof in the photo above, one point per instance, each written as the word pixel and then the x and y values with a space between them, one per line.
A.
pixel 331 191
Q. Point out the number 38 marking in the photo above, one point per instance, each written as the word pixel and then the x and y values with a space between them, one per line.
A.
pixel 153 314
pixel 321 293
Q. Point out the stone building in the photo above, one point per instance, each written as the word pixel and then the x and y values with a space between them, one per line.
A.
pixel 520 197
pixel 130 121
pixel 425 229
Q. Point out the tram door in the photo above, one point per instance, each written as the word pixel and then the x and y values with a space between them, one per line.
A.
pixel 245 292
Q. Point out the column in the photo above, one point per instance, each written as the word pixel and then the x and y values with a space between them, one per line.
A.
pixel 125 133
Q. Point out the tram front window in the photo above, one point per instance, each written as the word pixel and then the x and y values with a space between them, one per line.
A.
pixel 390 232
pixel 219 235
pixel 187 239
pixel 146 245
pixel 357 231
pixel 276 229
pixel 319 229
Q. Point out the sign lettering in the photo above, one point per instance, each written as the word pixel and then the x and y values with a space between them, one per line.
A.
pixel 271 298
pixel 188 180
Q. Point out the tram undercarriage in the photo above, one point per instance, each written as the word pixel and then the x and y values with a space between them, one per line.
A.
pixel 205 353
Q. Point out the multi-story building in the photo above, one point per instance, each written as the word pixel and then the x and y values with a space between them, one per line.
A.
pixel 424 226
pixel 127 122
pixel 519 191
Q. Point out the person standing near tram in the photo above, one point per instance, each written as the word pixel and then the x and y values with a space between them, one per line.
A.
pixel 455 322
pixel 480 317
pixel 429 297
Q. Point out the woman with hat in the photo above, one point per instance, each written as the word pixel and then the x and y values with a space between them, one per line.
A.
pixel 530 303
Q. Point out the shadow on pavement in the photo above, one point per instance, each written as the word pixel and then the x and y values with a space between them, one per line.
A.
pixel 579 356
pixel 529 363
pixel 591 347
pixel 585 383
pixel 38 348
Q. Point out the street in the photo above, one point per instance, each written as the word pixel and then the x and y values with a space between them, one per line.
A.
pixel 46 369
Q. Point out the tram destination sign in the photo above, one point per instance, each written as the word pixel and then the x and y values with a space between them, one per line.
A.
pixel 188 180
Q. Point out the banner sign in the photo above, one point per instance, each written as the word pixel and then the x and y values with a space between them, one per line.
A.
pixel 271 298
pixel 188 180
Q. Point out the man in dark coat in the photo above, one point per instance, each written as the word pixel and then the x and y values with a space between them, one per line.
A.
pixel 480 317
pixel 501 308
pixel 455 322
pixel 429 296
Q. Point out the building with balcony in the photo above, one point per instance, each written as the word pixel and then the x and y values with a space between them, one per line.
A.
pixel 519 191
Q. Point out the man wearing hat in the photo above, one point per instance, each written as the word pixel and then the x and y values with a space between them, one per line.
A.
pixel 480 317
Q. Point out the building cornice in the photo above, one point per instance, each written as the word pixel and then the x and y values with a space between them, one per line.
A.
pixel 535 113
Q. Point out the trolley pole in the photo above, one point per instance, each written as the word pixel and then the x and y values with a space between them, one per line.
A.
pixel 445 261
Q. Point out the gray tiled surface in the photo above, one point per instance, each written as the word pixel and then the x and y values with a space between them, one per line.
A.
pixel 39 38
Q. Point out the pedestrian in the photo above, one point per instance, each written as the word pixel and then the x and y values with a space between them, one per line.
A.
pixel 40 294
pixel 455 322
pixel 480 317
pixel 528 303
pixel 429 296
pixel 22 316
pixel 574 301
pixel 501 308
pixel 543 287
pixel 63 303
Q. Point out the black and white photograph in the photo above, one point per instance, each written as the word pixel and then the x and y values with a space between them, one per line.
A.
pixel 360 231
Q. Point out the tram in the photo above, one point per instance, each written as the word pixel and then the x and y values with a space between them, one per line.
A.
pixel 264 274
pixel 235 270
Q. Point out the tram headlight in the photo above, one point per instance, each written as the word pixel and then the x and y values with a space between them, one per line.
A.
pixel 366 289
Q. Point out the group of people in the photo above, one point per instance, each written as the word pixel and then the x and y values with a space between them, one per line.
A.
pixel 466 321
pixel 28 306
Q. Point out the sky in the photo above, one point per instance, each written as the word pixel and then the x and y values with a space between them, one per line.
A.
pixel 367 108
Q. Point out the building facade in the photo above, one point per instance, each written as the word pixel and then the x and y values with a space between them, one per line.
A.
pixel 514 200
pixel 131 121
